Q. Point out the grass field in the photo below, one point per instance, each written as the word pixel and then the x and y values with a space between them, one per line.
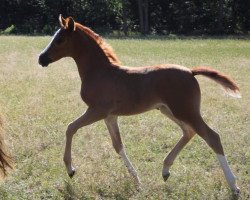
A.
pixel 38 103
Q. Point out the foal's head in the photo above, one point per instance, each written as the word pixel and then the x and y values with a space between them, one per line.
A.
pixel 61 44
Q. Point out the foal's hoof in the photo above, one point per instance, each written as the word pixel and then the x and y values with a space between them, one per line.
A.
pixel 236 192
pixel 138 188
pixel 138 184
pixel 165 176
pixel 72 173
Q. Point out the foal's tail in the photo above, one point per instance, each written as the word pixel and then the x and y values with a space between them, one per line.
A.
pixel 5 160
pixel 228 84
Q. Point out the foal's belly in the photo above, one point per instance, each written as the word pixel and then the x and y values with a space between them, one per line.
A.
pixel 132 106
pixel 132 110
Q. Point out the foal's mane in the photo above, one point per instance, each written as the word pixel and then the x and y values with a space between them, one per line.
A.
pixel 107 49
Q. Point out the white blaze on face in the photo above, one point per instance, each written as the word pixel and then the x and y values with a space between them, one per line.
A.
pixel 49 45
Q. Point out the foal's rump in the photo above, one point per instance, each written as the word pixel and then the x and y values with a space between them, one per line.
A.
pixel 179 89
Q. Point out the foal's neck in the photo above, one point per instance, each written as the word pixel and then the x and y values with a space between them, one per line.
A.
pixel 89 57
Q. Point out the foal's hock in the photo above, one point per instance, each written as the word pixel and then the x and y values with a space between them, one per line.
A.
pixel 111 90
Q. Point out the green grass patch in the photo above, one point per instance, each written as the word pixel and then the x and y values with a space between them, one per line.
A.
pixel 38 104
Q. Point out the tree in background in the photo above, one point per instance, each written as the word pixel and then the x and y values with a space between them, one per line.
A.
pixel 144 16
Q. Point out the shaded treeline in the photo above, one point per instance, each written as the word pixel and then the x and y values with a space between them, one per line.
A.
pixel 145 16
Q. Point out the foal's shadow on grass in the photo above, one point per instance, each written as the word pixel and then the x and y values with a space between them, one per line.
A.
pixel 69 192
pixel 235 197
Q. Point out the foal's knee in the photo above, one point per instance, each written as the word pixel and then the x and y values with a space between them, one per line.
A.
pixel 71 129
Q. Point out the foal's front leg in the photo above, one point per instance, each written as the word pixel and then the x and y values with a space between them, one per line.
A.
pixel 111 122
pixel 90 116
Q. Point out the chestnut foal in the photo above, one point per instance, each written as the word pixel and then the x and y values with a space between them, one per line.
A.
pixel 111 90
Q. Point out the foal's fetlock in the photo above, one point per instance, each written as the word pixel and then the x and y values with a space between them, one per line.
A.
pixel 135 177
pixel 70 169
pixel 138 187
pixel 72 173
pixel 165 173
pixel 137 183
pixel 236 191
pixel 165 176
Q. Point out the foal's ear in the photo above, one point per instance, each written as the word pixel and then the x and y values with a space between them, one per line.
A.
pixel 62 21
pixel 71 24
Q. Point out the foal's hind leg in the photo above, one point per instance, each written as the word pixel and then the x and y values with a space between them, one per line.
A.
pixel 168 161
pixel 188 133
pixel 213 140
pixel 111 122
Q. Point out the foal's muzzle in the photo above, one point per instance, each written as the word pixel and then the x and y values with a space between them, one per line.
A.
pixel 44 60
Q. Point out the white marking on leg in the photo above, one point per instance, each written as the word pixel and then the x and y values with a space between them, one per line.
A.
pixel 228 173
pixel 129 165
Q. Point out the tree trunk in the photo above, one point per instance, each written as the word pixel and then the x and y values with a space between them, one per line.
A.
pixel 143 15
pixel 124 18
pixel 146 24
pixel 220 28
pixel 140 8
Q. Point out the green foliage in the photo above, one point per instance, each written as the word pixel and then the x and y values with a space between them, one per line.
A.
pixel 197 17
pixel 164 16
pixel 8 30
